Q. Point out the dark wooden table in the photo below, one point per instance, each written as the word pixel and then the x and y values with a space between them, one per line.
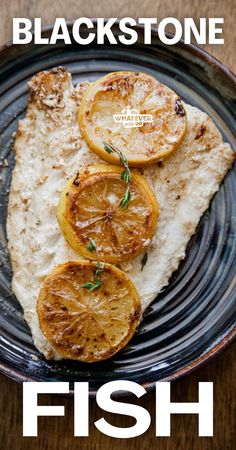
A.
pixel 57 433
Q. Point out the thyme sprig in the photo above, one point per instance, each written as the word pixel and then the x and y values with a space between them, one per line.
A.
pixel 126 198
pixel 125 175
pixel 97 281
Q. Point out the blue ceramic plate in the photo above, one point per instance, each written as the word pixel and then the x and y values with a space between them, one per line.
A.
pixel 194 318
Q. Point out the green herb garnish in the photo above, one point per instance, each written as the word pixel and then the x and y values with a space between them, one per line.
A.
pixel 97 281
pixel 125 199
pixel 125 175
pixel 91 247
pixel 92 286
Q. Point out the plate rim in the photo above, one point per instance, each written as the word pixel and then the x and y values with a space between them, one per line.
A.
pixel 210 355
pixel 202 53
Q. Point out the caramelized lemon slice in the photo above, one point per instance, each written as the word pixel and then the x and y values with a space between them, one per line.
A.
pixel 104 107
pixel 84 325
pixel 89 209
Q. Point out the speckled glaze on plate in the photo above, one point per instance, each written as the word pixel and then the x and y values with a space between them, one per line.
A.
pixel 194 317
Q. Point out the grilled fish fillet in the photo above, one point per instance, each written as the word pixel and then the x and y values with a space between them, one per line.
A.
pixel 49 149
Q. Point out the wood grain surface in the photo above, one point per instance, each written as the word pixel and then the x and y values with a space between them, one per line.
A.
pixel 71 9
pixel 57 433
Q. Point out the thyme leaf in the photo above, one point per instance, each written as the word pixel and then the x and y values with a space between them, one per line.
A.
pixel 125 199
pixel 91 247
pixel 97 281
pixel 92 286
pixel 108 148
pixel 125 175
